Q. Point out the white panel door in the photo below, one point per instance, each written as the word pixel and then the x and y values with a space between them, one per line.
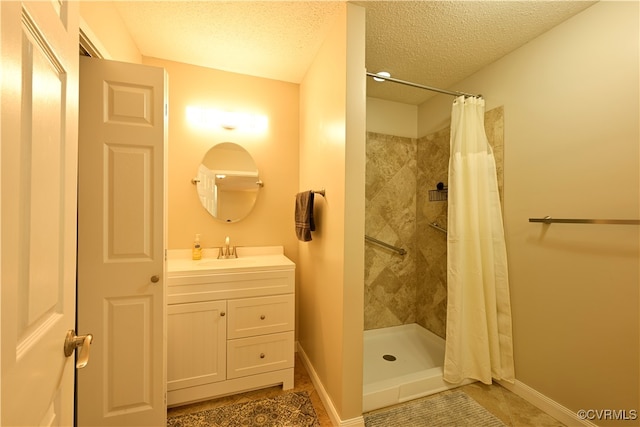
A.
pixel 121 232
pixel 39 117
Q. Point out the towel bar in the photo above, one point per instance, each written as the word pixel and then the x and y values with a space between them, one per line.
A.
pixel 549 220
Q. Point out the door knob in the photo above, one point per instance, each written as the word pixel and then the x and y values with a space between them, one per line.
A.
pixel 73 341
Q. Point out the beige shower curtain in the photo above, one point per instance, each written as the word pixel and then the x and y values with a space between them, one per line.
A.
pixel 479 341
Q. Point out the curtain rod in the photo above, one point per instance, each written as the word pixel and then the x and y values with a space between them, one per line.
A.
pixel 433 89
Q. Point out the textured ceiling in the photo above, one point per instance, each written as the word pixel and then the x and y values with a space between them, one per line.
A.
pixel 439 43
pixel 434 43
pixel 272 39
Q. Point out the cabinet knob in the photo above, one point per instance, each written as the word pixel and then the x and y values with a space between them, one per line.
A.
pixel 222 314
pixel 262 317
pixel 262 355
pixel 155 279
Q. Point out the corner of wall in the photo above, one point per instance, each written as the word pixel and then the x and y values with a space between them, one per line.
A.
pixel 102 24
pixel 392 118
pixel 331 265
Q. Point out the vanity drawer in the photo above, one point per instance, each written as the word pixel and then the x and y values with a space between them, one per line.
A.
pixel 255 355
pixel 257 316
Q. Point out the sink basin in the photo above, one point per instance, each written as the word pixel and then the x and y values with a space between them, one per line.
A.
pixel 247 261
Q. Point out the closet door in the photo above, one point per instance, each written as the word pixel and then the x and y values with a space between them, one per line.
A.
pixel 121 232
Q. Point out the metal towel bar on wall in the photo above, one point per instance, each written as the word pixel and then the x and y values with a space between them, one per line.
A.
pixel 386 245
pixel 549 220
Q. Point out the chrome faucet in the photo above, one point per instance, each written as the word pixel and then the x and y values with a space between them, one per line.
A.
pixel 226 251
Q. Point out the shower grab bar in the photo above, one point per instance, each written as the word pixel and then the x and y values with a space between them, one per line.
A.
pixel 437 227
pixel 549 220
pixel 386 245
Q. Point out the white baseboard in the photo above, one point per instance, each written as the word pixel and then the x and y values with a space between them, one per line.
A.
pixel 324 396
pixel 550 406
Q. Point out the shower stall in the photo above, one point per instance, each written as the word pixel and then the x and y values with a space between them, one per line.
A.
pixel 405 299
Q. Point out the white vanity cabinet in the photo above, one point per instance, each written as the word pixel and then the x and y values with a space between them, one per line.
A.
pixel 230 325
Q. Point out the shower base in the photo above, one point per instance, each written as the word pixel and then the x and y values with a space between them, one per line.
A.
pixel 402 363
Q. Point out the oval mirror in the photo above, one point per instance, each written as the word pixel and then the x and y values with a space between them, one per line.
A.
pixel 228 182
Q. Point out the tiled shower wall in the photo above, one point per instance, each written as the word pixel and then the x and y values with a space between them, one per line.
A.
pixel 390 216
pixel 399 174
pixel 433 161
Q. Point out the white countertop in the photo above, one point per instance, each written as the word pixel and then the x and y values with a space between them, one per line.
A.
pixel 256 258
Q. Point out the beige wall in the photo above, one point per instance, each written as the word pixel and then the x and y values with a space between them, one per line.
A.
pixel 331 265
pixel 392 118
pixel 571 112
pixel 275 153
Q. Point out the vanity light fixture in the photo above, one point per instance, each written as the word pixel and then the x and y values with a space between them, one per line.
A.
pixel 230 120
pixel 381 74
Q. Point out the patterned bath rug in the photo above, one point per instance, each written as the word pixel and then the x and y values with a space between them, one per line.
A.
pixel 448 409
pixel 291 409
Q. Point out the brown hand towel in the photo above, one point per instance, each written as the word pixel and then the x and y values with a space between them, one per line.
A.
pixel 304 216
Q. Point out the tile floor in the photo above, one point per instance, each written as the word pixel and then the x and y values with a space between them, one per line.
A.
pixel 510 408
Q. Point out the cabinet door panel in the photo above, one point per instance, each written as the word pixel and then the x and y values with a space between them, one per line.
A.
pixel 257 316
pixel 196 344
